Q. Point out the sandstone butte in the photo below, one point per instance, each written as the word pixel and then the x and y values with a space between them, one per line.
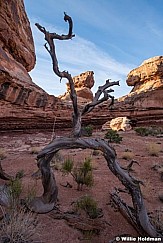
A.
pixel 24 105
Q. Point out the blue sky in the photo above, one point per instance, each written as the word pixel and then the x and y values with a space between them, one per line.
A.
pixel 111 38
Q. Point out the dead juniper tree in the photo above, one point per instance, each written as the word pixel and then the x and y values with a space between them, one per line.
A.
pixel 137 215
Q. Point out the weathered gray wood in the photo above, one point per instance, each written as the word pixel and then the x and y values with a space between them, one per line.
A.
pixel 138 216
pixel 3 174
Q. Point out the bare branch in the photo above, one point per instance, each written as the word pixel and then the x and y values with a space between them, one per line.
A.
pixel 49 37
pixel 101 89
pixel 56 36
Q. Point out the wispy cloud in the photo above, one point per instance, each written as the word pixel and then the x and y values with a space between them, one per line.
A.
pixel 155 29
pixel 77 55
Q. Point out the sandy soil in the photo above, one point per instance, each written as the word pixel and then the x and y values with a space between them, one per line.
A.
pixel 18 148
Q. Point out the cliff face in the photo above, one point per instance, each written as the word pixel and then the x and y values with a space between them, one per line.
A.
pixel 15 34
pixel 148 76
pixel 22 103
pixel 144 102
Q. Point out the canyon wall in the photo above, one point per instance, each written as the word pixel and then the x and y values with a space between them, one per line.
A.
pixel 144 102
pixel 24 105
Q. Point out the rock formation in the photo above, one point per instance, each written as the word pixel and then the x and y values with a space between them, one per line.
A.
pixel 22 103
pixel 83 84
pixel 144 102
pixel 148 76
pixel 117 124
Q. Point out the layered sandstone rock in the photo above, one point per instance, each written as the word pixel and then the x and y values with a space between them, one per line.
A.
pixel 22 103
pixel 15 33
pixel 148 76
pixel 83 84
pixel 117 124
pixel 144 103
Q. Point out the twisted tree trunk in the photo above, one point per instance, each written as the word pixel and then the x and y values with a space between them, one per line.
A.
pixel 138 214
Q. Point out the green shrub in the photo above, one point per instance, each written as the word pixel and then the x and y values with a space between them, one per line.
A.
pixel 145 131
pixel 87 131
pixel 18 225
pixel 113 136
pixel 142 131
pixel 82 174
pixel 89 205
pixel 20 174
pixel 82 179
pixel 67 166
pixel 15 189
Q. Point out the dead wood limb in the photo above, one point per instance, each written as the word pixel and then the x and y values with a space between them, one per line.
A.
pixel 49 37
pixel 101 89
pixel 79 222
pixel 129 166
pixel 47 201
pixel 76 116
pixel 3 175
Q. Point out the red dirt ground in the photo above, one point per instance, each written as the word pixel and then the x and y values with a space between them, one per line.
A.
pixel 18 147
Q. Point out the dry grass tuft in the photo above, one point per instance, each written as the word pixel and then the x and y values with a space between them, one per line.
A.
pixel 34 150
pixel 2 154
pixel 128 155
pixel 18 226
pixel 153 149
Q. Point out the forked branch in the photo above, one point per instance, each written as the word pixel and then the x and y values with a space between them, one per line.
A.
pixel 96 101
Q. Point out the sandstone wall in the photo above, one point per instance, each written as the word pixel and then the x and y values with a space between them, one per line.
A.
pixel 24 105
pixel 15 33
pixel 144 103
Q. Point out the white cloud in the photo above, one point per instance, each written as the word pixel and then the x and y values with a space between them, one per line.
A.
pixel 76 56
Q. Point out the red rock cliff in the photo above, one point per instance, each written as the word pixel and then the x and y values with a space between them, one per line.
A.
pixel 144 103
pixel 22 103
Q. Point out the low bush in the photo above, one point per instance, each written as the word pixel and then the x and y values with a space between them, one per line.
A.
pixel 89 205
pixel 113 136
pixel 157 219
pixel 87 131
pixel 15 190
pixel 145 131
pixel 18 226
pixel 67 166
pixel 142 131
pixel 82 174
